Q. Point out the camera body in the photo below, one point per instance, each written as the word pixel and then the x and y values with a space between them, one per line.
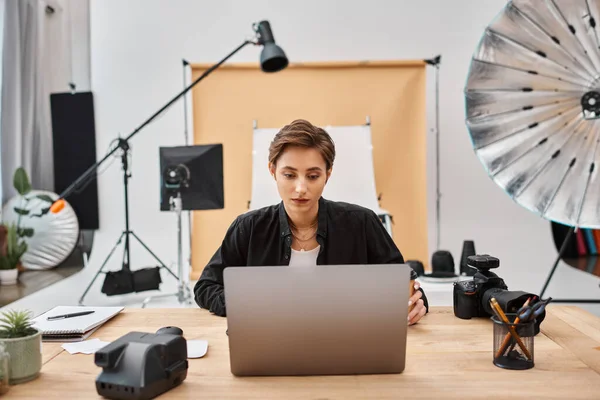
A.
pixel 142 365
pixel 471 298
pixel 468 294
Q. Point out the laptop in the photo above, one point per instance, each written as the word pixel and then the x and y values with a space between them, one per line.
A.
pixel 323 320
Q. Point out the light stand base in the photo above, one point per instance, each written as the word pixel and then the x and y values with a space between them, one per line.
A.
pixel 183 293
pixel 101 269
pixel 124 146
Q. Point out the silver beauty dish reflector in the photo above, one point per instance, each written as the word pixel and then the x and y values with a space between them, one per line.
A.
pixel 533 103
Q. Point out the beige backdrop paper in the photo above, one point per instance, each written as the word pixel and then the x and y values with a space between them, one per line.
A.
pixel 391 93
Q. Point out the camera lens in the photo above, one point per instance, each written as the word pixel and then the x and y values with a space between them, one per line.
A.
pixel 487 296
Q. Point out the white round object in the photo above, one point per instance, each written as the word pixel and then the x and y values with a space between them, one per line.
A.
pixel 8 276
pixel 55 235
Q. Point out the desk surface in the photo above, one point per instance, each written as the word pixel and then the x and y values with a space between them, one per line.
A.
pixel 446 358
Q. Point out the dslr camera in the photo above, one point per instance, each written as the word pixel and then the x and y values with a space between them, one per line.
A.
pixel 472 297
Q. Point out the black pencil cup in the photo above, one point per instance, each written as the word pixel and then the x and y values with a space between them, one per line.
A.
pixel 510 351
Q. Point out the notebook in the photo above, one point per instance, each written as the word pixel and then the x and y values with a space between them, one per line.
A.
pixel 76 328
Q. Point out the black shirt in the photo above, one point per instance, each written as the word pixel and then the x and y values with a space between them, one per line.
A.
pixel 347 234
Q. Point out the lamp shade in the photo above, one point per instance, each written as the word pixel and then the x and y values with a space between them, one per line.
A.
pixel 272 58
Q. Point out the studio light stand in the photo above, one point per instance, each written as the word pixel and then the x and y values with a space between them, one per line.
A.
pixel 590 104
pixel 435 62
pixel 563 248
pixel 185 65
pixel 590 110
pixel 272 59
pixel 191 179
pixel 523 120
pixel 125 149
pixel 183 294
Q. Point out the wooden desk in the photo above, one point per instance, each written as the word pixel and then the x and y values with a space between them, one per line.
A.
pixel 446 358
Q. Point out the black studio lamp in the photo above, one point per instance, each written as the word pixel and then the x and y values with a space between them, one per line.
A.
pixel 272 59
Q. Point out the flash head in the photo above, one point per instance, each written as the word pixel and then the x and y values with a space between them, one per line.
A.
pixel 176 177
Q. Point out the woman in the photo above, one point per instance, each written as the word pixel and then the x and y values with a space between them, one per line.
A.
pixel 304 229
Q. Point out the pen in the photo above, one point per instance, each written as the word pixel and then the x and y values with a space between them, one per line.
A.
pixel 531 313
pixel 507 337
pixel 77 314
pixel 496 307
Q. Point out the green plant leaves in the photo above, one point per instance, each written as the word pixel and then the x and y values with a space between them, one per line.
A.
pixel 5 263
pixel 15 248
pixel 26 232
pixel 21 181
pixel 16 324
pixel 20 249
pixel 21 211
pixel 45 198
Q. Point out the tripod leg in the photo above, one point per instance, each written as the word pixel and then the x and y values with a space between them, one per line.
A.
pixel 101 268
pixel 188 296
pixel 183 296
pixel 183 293
pixel 147 299
pixel 154 255
pixel 561 252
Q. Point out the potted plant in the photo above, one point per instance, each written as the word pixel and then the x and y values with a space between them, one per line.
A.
pixel 23 343
pixel 12 236
pixel 11 250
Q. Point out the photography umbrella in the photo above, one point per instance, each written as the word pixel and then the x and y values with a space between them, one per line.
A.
pixel 532 107
pixel 532 99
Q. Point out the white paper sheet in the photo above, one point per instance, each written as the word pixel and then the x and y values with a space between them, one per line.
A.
pixel 85 347
pixel 352 179
pixel 195 348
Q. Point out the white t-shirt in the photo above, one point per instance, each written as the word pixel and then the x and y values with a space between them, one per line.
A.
pixel 304 258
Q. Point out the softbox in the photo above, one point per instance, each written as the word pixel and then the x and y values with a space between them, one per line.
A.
pixel 195 173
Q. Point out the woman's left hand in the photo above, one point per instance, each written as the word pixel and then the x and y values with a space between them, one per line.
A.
pixel 419 309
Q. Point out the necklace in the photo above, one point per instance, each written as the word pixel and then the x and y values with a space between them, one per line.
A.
pixel 293 226
pixel 296 231
pixel 303 239
pixel 302 246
